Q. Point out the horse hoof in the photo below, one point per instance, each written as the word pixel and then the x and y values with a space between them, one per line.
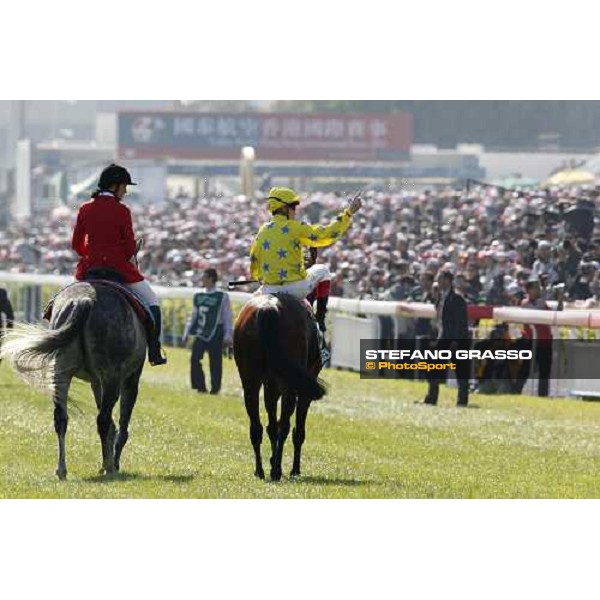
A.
pixel 276 475
pixel 260 474
pixel 62 475
pixel 295 473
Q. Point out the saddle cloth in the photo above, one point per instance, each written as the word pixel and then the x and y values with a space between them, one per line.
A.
pixel 142 310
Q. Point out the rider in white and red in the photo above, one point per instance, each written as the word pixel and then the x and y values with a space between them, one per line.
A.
pixel 103 238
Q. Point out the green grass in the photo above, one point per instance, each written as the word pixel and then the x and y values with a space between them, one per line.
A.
pixel 366 439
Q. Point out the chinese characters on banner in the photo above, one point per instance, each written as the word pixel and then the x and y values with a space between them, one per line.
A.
pixel 275 136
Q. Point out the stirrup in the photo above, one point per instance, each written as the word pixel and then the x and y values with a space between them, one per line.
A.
pixel 323 351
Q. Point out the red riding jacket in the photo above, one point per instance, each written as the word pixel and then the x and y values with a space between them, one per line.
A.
pixel 103 237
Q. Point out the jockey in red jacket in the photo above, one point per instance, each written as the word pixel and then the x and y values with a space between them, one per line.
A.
pixel 103 238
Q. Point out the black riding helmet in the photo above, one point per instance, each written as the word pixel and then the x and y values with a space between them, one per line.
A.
pixel 114 175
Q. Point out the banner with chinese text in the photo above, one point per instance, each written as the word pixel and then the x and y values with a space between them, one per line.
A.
pixel 275 136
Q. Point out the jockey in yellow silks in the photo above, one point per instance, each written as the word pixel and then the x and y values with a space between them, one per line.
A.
pixel 276 257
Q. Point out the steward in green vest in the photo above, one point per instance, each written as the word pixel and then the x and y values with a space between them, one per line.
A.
pixel 211 324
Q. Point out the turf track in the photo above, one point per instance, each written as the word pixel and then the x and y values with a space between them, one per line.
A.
pixel 366 439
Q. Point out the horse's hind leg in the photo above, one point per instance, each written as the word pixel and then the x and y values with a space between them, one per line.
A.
pixel 272 394
pixel 251 394
pixel 288 405
pixel 299 434
pixel 106 427
pixel 61 419
pixel 129 395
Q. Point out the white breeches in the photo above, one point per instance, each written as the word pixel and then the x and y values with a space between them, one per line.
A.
pixel 143 289
pixel 300 289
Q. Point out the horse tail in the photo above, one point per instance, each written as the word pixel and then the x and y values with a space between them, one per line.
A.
pixel 29 348
pixel 294 374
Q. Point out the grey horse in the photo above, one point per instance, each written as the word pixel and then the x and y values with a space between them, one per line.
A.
pixel 94 335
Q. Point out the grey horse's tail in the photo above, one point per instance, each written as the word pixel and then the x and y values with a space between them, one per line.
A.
pixel 294 374
pixel 30 349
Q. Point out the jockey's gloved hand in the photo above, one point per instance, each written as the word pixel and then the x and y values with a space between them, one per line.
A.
pixel 355 204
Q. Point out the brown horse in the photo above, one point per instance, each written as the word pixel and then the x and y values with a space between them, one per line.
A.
pixel 275 345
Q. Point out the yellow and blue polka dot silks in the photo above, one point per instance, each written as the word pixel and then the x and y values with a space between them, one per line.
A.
pixel 276 253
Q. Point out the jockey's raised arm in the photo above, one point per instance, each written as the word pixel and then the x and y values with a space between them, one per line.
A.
pixel 319 236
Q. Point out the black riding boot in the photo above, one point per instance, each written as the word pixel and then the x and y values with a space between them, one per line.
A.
pixel 321 312
pixel 156 355
pixel 320 319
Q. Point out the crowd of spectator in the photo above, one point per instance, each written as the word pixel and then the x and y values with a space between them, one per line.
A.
pixel 494 240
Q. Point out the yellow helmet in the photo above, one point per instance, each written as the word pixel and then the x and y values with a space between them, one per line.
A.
pixel 281 195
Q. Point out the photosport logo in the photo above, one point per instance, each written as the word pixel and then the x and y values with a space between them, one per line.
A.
pixel 427 356
pixel 376 360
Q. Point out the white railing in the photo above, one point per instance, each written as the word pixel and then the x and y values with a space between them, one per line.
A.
pixel 573 317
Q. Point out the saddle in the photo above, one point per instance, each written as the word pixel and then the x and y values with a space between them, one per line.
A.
pixel 111 279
